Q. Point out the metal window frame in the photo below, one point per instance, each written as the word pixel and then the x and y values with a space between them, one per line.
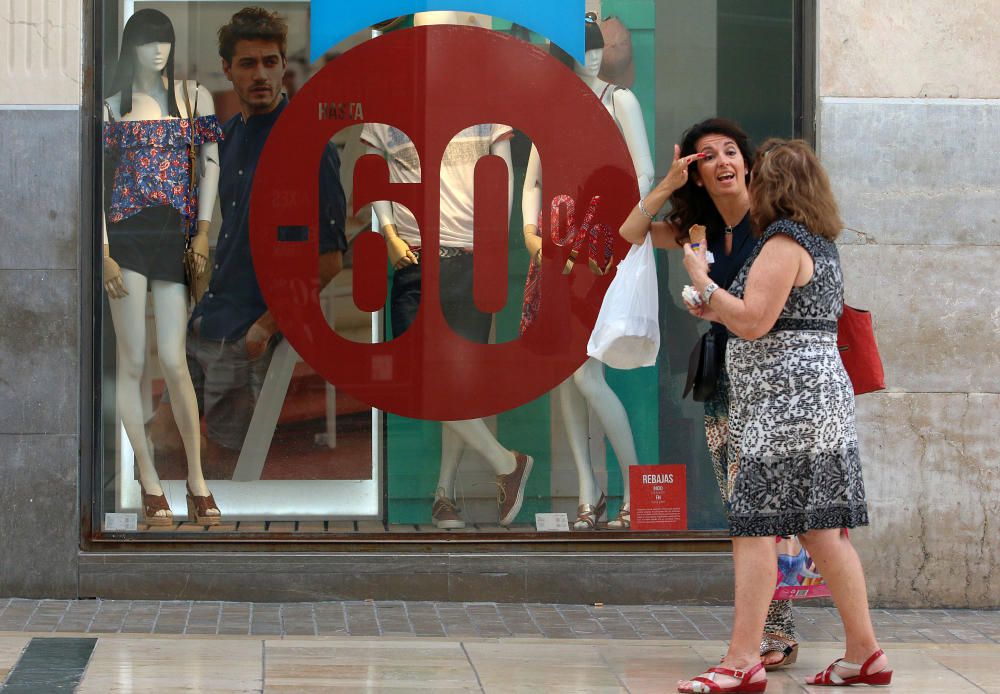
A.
pixel 91 448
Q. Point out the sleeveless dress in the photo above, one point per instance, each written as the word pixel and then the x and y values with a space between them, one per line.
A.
pixel 793 443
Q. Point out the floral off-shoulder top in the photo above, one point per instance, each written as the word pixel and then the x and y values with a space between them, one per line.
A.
pixel 153 166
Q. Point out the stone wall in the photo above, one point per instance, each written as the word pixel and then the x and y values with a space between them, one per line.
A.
pixel 40 92
pixel 909 129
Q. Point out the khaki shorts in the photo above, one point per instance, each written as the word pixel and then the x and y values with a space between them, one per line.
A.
pixel 227 384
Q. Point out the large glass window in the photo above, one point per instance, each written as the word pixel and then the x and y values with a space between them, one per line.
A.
pixel 368 310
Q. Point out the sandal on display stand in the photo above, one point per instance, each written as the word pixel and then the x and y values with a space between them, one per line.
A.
pixel 199 506
pixel 624 519
pixel 706 684
pixel 151 505
pixel 773 644
pixel 830 678
pixel 587 515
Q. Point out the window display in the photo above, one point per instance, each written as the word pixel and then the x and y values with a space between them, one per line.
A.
pixel 349 288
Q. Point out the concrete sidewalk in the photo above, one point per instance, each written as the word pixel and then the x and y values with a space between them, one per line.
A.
pixel 224 664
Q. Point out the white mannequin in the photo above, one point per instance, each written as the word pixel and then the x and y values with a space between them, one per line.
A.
pixel 127 289
pixel 455 435
pixel 587 386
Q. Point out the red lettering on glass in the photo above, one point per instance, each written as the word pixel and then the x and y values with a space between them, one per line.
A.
pixel 598 237
pixel 431 372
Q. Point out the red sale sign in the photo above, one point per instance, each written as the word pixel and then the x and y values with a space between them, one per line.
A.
pixel 658 497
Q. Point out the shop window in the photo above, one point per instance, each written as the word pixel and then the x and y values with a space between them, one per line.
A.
pixel 350 364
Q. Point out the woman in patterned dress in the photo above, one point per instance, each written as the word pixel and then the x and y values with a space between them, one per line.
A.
pixel 707 185
pixel 792 438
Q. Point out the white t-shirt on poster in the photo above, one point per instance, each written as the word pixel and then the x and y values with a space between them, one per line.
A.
pixel 458 169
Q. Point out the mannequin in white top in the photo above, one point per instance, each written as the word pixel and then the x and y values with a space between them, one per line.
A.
pixel 148 97
pixel 588 387
pixel 402 235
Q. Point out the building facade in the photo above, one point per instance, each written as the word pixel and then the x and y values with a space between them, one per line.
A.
pixel 329 498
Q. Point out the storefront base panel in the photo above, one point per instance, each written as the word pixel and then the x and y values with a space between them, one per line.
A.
pixel 612 578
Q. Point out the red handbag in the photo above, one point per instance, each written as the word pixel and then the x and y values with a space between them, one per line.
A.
pixel 856 342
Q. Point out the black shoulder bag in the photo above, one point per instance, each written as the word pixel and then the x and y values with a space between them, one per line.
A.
pixel 705 364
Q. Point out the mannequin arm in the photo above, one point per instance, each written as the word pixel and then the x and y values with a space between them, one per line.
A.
pixel 531 203
pixel 208 163
pixel 112 278
pixel 400 255
pixel 501 148
pixel 629 115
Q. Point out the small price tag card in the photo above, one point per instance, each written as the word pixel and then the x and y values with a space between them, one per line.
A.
pixel 551 522
pixel 659 497
pixel 120 522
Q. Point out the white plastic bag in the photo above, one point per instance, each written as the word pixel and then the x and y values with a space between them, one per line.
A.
pixel 627 333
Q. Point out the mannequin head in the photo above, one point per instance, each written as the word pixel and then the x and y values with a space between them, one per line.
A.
pixel 147 45
pixel 594 45
pixel 461 18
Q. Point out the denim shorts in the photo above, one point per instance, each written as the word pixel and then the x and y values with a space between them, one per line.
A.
pixel 150 243
pixel 457 302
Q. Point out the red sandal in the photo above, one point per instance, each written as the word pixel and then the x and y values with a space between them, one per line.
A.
pixel 706 684
pixel 829 678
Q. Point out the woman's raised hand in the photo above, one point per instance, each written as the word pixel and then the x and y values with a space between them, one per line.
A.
pixel 677 176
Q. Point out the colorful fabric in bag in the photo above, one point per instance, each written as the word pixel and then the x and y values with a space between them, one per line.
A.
pixel 798 577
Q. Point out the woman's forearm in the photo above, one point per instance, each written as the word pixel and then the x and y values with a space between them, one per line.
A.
pixel 638 223
pixel 740 319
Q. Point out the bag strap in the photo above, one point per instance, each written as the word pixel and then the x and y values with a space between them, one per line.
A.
pixel 192 147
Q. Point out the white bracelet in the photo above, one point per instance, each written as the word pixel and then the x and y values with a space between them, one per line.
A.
pixel 642 208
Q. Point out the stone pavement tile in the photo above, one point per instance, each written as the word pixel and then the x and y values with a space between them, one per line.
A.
pixel 180 664
pixel 977 664
pixel 541 667
pixel 367 665
pixel 11 648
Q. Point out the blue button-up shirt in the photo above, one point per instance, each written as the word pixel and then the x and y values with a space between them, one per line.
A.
pixel 234 302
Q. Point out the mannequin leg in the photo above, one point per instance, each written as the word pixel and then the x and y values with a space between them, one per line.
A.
pixel 451 454
pixel 475 433
pixel 128 315
pixel 170 307
pixel 574 412
pixel 611 413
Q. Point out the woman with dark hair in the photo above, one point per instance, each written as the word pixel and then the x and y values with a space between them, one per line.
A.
pixel 793 441
pixel 707 185
pixel 153 125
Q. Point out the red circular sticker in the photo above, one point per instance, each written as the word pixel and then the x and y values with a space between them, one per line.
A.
pixel 431 83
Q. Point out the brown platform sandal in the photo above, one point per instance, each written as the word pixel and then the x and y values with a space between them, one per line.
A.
pixel 587 515
pixel 199 506
pixel 624 519
pixel 151 504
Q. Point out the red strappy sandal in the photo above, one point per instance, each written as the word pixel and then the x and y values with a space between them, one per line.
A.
pixel 706 684
pixel 829 677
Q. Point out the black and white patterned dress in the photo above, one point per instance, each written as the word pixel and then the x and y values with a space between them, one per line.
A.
pixel 793 444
